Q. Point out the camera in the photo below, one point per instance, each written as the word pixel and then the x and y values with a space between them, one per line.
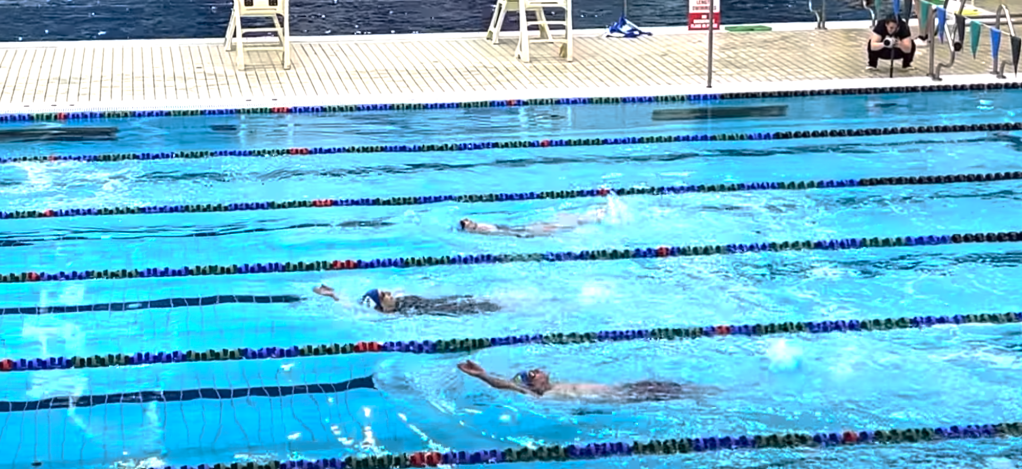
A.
pixel 889 42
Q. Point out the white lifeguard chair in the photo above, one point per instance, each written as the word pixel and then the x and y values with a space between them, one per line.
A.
pixel 260 9
pixel 536 8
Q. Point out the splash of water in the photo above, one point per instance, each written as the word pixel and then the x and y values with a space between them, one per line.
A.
pixel 783 356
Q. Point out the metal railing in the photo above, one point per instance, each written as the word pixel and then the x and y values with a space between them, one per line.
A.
pixel 872 11
pixel 821 13
pixel 999 73
pixel 954 43
pixel 957 38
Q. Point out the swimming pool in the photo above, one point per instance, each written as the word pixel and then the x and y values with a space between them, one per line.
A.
pixel 903 378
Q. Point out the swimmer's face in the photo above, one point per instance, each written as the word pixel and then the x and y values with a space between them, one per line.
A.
pixel 539 379
pixel 387 302
pixel 468 225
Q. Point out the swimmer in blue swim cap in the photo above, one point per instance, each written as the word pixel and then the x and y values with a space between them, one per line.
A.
pixel 387 302
pixel 536 383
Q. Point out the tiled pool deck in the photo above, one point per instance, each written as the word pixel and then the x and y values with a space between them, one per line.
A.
pixel 164 74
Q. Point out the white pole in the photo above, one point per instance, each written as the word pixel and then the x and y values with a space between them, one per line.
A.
pixel 709 50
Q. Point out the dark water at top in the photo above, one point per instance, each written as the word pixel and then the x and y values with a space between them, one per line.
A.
pixel 59 20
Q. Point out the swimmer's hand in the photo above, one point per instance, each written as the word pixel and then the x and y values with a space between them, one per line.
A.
pixel 471 368
pixel 326 291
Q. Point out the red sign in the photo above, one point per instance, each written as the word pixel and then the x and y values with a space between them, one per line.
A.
pixel 699 14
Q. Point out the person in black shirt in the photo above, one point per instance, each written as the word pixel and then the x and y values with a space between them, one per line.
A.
pixel 891 39
pixel 387 302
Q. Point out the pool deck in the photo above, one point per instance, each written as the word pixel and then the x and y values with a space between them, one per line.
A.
pixel 448 67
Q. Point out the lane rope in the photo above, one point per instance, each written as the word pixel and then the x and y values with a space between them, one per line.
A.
pixel 469 259
pixel 545 143
pixel 518 196
pixel 574 452
pixel 469 345
pixel 698 98
pixel 151 304
pixel 141 397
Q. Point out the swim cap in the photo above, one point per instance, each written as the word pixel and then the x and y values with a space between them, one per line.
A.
pixel 373 295
pixel 523 377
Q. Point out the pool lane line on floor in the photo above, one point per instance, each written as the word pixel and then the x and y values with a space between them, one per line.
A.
pixel 469 345
pixel 185 395
pixel 521 196
pixel 574 452
pixel 696 98
pixel 476 259
pixel 542 143
pixel 194 302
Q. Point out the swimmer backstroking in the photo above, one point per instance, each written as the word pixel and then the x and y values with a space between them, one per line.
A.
pixel 536 383
pixel 563 222
pixel 387 302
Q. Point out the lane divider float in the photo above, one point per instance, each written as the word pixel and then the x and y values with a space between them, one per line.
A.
pixel 185 395
pixel 65 116
pixel 469 345
pixel 470 259
pixel 518 196
pixel 545 143
pixel 574 452
pixel 151 304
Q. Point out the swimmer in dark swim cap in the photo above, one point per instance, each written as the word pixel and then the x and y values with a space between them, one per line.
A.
pixel 386 302
pixel 536 383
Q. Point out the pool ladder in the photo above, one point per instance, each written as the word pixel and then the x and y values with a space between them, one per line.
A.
pixel 821 13
pixel 955 45
pixel 1003 9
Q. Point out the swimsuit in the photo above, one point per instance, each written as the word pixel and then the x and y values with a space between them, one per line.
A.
pixel 444 306
pixel 516 231
pixel 647 391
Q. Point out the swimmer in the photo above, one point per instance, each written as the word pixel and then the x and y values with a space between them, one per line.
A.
pixel 536 383
pixel 387 302
pixel 563 222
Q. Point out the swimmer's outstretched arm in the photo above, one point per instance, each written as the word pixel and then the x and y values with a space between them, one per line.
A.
pixel 326 291
pixel 473 369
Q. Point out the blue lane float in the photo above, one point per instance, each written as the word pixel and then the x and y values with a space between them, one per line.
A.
pixel 542 143
pixel 152 304
pixel 606 450
pixel 518 196
pixel 696 98
pixel 470 344
pixel 474 259
pixel 141 397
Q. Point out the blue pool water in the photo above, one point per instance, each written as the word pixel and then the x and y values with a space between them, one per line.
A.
pixel 865 380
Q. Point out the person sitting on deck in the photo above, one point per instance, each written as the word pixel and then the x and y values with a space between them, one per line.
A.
pixel 386 302
pixel 916 7
pixel 536 383
pixel 891 39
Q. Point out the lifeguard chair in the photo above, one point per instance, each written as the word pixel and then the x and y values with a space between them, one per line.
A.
pixel 523 7
pixel 260 9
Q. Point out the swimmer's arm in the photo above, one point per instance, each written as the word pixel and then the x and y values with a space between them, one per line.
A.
pixel 503 384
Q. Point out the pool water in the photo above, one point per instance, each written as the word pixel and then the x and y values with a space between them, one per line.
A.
pixel 863 380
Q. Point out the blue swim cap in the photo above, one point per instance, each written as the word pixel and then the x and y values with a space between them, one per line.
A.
pixel 374 295
pixel 523 377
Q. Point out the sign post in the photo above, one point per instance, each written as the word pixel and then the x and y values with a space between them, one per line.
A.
pixel 699 16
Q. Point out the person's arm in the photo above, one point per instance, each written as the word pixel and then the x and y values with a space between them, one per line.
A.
pixel 473 369
pixel 503 384
pixel 875 42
